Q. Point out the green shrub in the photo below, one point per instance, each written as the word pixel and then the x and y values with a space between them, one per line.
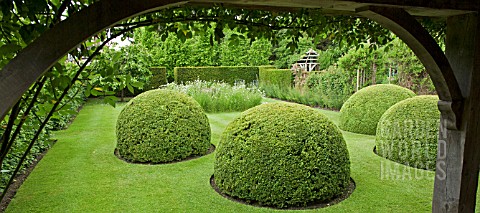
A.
pixel 333 86
pixel 361 112
pixel 407 133
pixel 282 78
pixel 292 94
pixel 328 89
pixel 220 97
pixel 265 67
pixel 12 159
pixel 230 75
pixel 162 126
pixel 282 155
pixel 73 100
pixel 158 78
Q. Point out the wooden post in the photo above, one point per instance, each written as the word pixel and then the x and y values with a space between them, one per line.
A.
pixel 374 70
pixel 458 155
pixel 458 159
pixel 389 73
pixel 358 80
pixel 364 73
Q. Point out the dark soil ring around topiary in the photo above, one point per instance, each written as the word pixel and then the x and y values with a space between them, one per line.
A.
pixel 312 205
pixel 210 150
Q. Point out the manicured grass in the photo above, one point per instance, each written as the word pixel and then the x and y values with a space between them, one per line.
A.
pixel 81 174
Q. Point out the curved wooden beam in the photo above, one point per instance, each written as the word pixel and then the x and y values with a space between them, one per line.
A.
pixel 33 61
pixel 430 54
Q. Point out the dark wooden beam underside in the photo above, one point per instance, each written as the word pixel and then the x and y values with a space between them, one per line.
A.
pixel 439 8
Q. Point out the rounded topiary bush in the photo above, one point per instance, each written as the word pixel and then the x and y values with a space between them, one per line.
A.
pixel 361 112
pixel 161 126
pixel 407 133
pixel 282 155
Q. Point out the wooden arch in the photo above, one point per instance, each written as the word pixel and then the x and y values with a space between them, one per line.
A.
pixel 452 74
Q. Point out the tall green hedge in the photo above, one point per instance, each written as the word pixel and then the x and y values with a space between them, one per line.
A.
pixel 282 155
pixel 158 78
pixel 266 67
pixel 225 74
pixel 279 77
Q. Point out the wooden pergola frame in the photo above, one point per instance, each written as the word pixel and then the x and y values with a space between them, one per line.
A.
pixel 455 74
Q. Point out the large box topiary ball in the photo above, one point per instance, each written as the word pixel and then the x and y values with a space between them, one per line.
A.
pixel 408 132
pixel 282 155
pixel 161 126
pixel 361 112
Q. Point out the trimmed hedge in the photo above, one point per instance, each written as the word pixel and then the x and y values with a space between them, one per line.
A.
pixel 362 111
pixel 408 132
pixel 223 74
pixel 161 126
pixel 266 67
pixel 158 78
pixel 279 77
pixel 282 155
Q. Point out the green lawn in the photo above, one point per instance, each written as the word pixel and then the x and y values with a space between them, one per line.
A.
pixel 80 173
